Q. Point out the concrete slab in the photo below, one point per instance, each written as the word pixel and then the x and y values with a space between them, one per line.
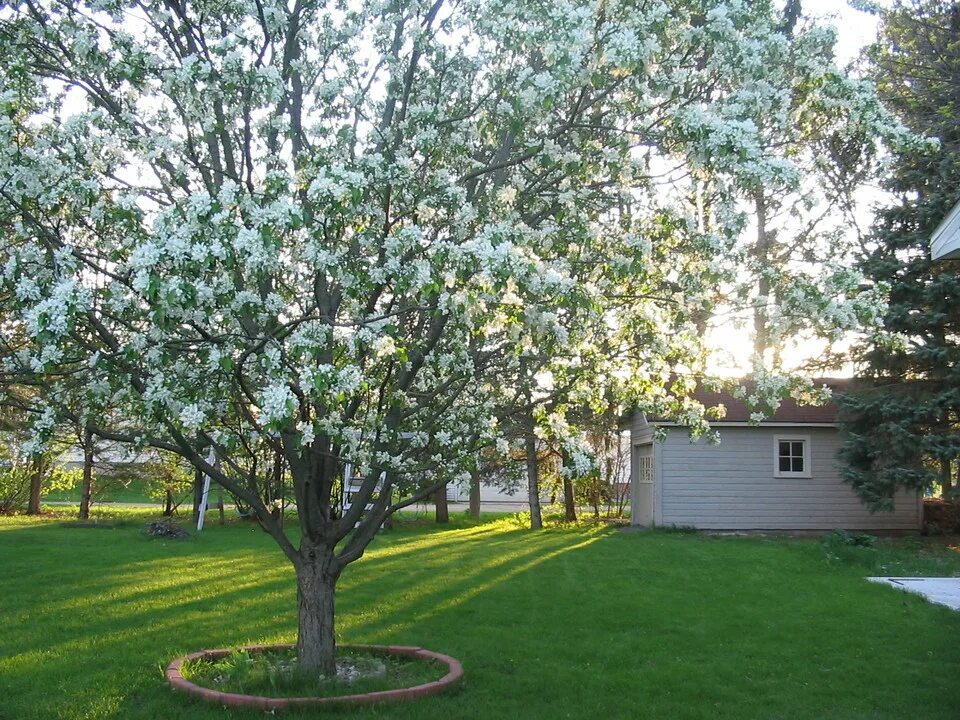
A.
pixel 943 591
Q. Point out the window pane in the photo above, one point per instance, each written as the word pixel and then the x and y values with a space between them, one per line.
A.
pixel 797 464
pixel 784 464
pixel 797 449
pixel 784 450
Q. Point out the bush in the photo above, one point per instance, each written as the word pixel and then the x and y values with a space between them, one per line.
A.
pixel 678 529
pixel 842 537
pixel 844 546
pixel 15 483
pixel 941 516
pixel 14 488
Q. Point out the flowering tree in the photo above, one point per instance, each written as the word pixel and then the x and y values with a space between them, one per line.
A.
pixel 823 132
pixel 362 232
pixel 827 129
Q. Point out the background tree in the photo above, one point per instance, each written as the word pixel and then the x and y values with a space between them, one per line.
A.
pixel 794 282
pixel 87 443
pixel 500 468
pixel 27 473
pixel 902 425
pixel 169 480
pixel 344 231
pixel 803 231
pixel 442 509
pixel 607 484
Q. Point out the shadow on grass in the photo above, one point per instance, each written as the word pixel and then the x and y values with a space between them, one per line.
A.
pixel 578 623
pixel 434 591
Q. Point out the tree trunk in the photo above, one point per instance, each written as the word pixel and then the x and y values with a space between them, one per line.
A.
pixel 316 643
pixel 569 507
pixel 946 485
pixel 569 504
pixel 36 483
pixel 276 491
pixel 168 504
pixel 87 489
pixel 533 480
pixel 223 520
pixel 475 495
pixel 761 252
pixel 440 501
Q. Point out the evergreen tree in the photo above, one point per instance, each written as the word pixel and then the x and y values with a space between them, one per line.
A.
pixel 902 422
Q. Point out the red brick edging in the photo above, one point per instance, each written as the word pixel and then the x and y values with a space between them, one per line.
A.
pixel 236 700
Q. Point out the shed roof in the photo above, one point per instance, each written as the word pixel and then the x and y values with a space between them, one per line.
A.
pixel 788 412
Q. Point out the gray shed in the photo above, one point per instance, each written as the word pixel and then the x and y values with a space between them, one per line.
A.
pixel 945 241
pixel 779 475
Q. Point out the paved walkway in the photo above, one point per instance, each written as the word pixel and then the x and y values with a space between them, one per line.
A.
pixel 943 591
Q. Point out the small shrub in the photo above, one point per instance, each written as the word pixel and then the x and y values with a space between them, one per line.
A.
pixel 276 673
pixel 521 519
pixel 843 537
pixel 844 546
pixel 942 514
pixel 678 529
pixel 14 488
pixel 15 479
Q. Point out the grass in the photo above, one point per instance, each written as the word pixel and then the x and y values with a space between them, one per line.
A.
pixel 568 623
pixel 274 673
pixel 919 556
pixel 110 490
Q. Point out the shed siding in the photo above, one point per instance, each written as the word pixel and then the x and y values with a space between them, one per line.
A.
pixel 945 242
pixel 731 486
pixel 644 507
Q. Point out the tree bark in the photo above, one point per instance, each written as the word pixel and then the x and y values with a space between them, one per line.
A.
pixel 946 484
pixel 316 643
pixel 475 495
pixel 761 251
pixel 440 501
pixel 168 504
pixel 569 506
pixel 533 480
pixel 87 488
pixel 569 503
pixel 276 490
pixel 36 483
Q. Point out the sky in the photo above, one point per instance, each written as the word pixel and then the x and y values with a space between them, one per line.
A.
pixel 855 28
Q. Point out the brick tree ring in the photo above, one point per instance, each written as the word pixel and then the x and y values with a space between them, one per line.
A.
pixel 236 700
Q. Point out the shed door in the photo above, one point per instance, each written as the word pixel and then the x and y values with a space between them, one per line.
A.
pixel 641 495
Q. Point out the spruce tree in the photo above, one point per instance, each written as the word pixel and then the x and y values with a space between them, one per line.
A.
pixel 902 422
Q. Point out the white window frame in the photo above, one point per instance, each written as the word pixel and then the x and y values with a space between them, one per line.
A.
pixel 777 472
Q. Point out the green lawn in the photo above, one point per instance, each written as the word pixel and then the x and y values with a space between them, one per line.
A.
pixel 579 623
pixel 119 489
